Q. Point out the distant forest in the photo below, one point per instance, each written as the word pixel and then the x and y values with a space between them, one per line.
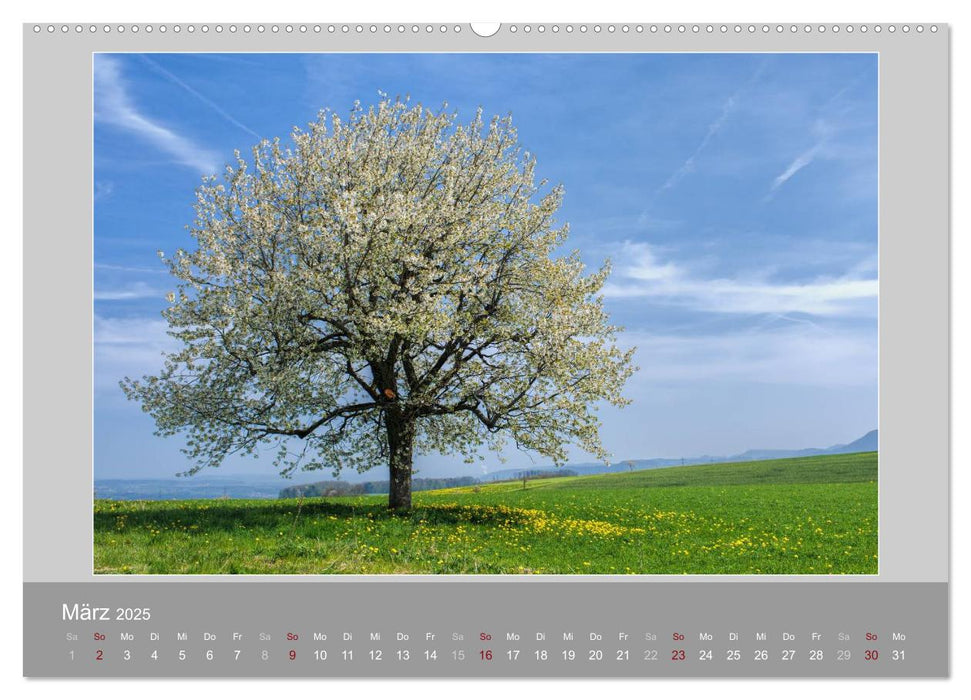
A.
pixel 343 488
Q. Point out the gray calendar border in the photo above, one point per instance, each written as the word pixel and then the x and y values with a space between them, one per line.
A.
pixel 914 330
pixel 912 617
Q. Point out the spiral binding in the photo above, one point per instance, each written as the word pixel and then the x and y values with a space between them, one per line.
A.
pixel 419 30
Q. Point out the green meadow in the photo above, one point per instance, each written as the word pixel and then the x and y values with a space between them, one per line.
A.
pixel 808 515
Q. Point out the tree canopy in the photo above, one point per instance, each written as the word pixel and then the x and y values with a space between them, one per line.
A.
pixel 383 284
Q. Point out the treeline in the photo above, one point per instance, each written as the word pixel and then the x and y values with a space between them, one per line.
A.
pixel 531 474
pixel 343 488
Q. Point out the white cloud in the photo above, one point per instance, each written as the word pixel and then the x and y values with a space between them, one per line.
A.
pixel 644 264
pixel 822 131
pixel 728 108
pixel 128 347
pixel 825 131
pixel 795 354
pixel 202 98
pixel 643 275
pixel 137 330
pixel 800 162
pixel 689 165
pixel 130 268
pixel 138 290
pixel 114 106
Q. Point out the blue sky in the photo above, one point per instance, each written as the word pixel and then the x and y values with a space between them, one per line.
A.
pixel 736 195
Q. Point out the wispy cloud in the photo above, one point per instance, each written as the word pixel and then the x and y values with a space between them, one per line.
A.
pixel 130 268
pixel 199 96
pixel 824 131
pixel 103 190
pixel 644 275
pixel 689 165
pixel 139 290
pixel 128 347
pixel 728 108
pixel 114 106
pixel 138 330
pixel 800 162
pixel 795 354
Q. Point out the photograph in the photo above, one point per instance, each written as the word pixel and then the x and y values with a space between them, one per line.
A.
pixel 514 314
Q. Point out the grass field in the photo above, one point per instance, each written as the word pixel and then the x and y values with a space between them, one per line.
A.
pixel 811 515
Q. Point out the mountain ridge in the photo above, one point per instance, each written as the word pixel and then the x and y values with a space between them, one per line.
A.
pixel 260 486
pixel 866 443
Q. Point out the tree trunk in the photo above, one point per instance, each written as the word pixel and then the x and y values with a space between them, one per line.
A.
pixel 401 438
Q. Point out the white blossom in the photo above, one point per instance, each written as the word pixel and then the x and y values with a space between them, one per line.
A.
pixel 383 284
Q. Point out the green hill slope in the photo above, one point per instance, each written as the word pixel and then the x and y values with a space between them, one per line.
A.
pixel 825 469
pixel 810 515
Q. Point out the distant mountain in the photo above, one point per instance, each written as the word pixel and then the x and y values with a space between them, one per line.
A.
pixel 270 486
pixel 867 443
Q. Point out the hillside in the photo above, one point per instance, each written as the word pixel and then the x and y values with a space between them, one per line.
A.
pixel 810 515
pixel 867 443
pixel 826 469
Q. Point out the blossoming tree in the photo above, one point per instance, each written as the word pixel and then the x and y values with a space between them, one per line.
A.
pixel 384 285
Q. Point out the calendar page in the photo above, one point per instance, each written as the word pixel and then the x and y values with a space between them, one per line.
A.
pixel 468 350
